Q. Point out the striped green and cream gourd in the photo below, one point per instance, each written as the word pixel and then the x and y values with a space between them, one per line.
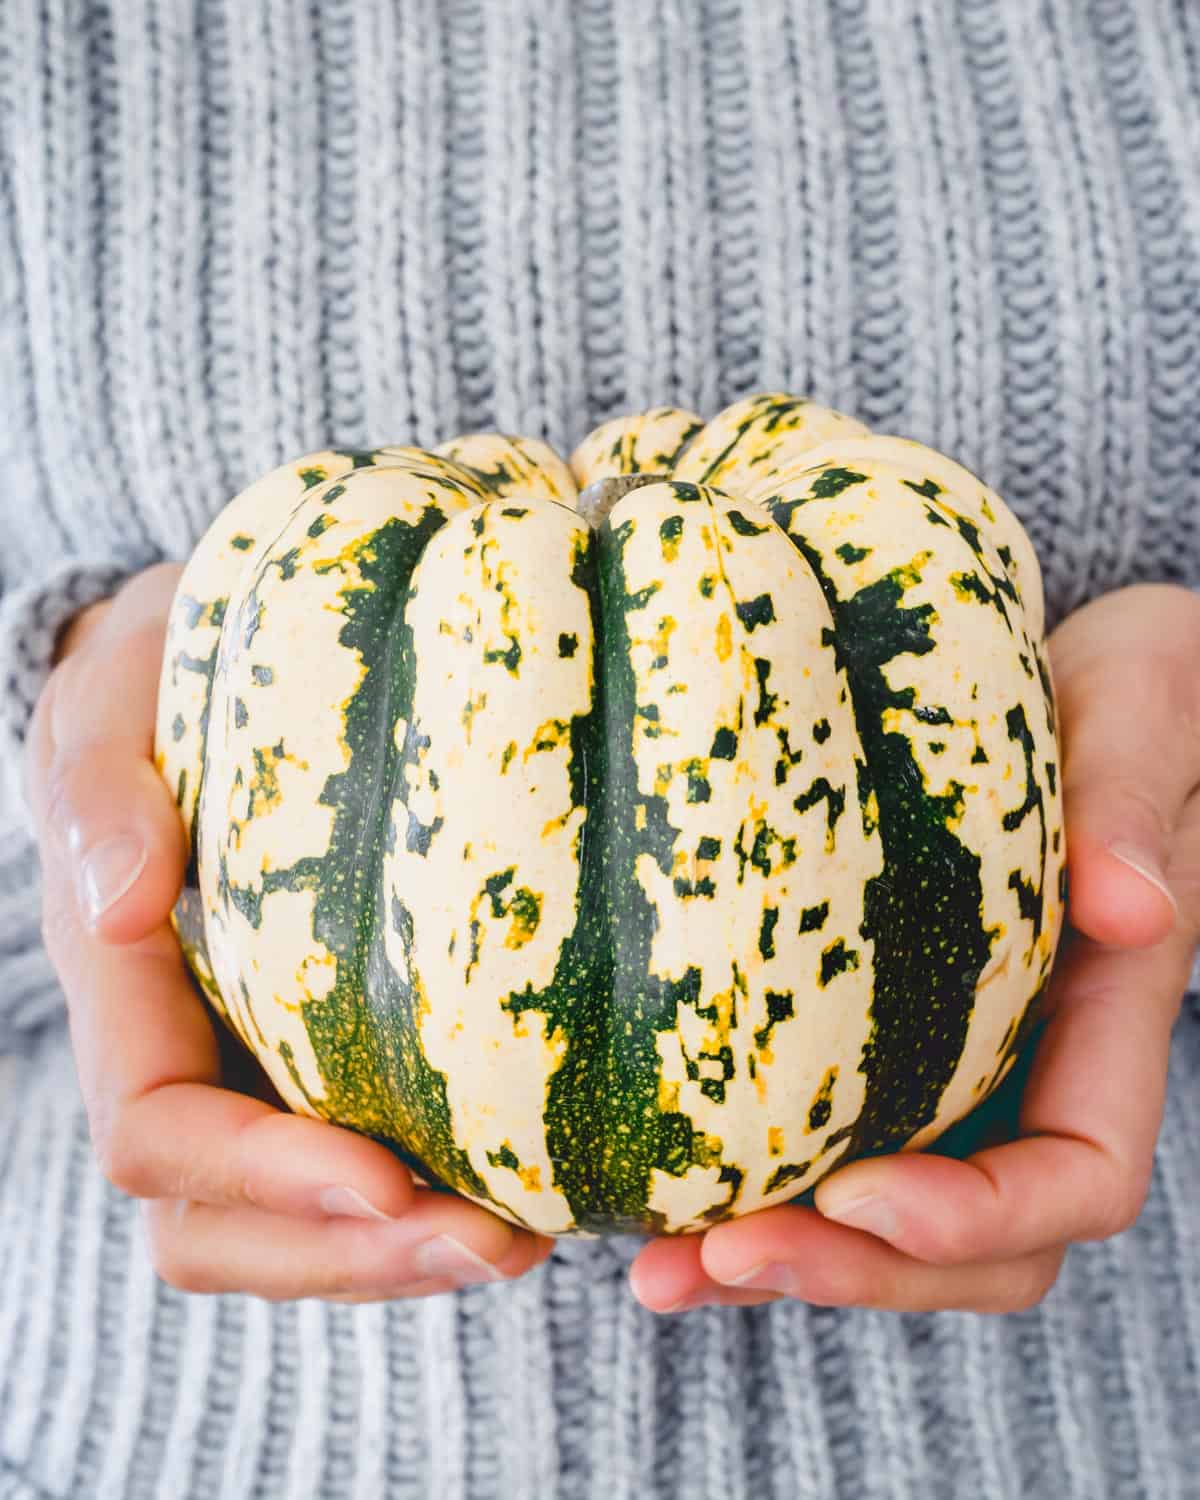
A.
pixel 627 865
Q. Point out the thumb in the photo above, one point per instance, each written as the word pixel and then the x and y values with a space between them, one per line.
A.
pixel 1128 694
pixel 107 825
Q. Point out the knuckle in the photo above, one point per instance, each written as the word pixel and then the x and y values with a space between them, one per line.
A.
pixel 1160 690
pixel 349 1274
pixel 1126 795
pixel 1120 1212
pixel 246 1193
pixel 829 1283
pixel 167 1244
pixel 331 1281
pixel 116 1166
pixel 1032 1290
pixel 190 1276
pixel 240 1179
pixel 1144 806
pixel 348 1263
pixel 1181 685
pixel 121 1161
pixel 1028 1283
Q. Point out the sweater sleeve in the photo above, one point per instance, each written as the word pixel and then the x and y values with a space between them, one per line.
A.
pixel 31 617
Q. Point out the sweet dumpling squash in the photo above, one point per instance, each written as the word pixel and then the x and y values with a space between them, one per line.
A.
pixel 628 841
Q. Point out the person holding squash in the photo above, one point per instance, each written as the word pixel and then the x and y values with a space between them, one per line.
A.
pixel 843 1336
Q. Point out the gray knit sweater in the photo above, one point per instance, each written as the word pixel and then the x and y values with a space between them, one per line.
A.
pixel 232 231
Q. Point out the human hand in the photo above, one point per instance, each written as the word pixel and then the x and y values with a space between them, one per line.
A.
pixel 239 1195
pixel 989 1234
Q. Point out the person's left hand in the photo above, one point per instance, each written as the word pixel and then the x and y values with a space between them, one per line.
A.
pixel 989 1234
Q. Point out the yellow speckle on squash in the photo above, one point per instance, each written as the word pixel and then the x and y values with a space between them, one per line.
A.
pixel 550 735
pixel 662 639
pixel 525 912
pixel 553 825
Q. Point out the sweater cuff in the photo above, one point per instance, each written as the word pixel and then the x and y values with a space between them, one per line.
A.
pixel 31 618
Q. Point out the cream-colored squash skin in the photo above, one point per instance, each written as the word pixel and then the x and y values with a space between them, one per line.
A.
pixel 645 443
pixel 745 728
pixel 487 894
pixel 510 465
pixel 229 551
pixel 760 436
pixel 934 472
pixel 626 877
pixel 972 712
pixel 277 735
pixel 482 879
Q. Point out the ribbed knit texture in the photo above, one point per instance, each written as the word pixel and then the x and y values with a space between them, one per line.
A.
pixel 231 233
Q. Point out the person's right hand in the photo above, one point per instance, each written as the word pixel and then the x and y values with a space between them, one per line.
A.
pixel 240 1196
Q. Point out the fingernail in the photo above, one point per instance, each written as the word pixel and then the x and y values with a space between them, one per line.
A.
pixel 346 1202
pixel 445 1256
pixel 107 872
pixel 1145 865
pixel 872 1214
pixel 766 1276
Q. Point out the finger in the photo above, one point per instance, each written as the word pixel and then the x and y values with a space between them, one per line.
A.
pixel 439 1244
pixel 1129 698
pixel 668 1277
pixel 798 1254
pixel 106 822
pixel 801 1255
